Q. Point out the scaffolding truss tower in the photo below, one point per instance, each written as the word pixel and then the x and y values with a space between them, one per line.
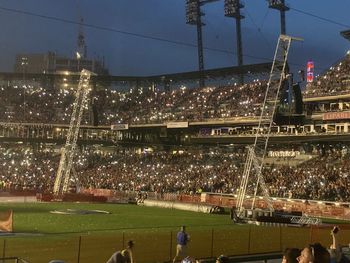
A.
pixel 67 154
pixel 257 151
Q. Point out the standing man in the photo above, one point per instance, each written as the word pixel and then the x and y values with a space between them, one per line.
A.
pixel 123 256
pixel 182 239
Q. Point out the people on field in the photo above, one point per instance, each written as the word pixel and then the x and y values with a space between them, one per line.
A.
pixel 123 256
pixel 182 238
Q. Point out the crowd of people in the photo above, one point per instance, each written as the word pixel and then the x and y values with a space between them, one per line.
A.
pixel 190 170
pixel 35 103
pixel 335 81
pixel 51 102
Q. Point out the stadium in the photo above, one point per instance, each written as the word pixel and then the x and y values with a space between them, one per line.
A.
pixel 252 159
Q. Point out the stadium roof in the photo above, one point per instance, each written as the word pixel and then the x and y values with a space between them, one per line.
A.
pixel 346 34
pixel 207 74
pixel 216 73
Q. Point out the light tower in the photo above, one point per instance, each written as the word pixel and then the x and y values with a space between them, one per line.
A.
pixel 67 154
pixel 281 6
pixel 257 152
pixel 194 17
pixel 233 9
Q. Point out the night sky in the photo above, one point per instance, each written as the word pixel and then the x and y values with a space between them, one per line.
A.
pixel 127 54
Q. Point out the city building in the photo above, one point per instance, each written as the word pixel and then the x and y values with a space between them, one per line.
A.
pixel 50 62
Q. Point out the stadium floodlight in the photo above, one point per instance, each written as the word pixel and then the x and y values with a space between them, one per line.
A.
pixel 345 34
pixel 193 17
pixel 282 7
pixel 192 11
pixel 232 8
pixel 278 5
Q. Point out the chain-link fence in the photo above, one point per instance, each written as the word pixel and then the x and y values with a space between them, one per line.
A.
pixel 158 245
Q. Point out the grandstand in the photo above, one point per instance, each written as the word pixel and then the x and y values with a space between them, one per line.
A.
pixel 175 144
pixel 168 122
pixel 177 119
pixel 173 138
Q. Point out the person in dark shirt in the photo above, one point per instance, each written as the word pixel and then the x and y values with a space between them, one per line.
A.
pixel 182 239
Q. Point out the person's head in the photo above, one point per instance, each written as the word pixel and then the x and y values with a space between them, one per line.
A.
pixel 125 253
pixel 130 244
pixel 314 253
pixel 183 228
pixel 290 255
pixel 222 259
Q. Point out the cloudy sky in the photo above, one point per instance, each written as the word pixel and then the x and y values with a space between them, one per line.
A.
pixel 128 33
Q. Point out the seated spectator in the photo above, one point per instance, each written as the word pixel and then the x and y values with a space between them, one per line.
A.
pixel 314 253
pixel 290 255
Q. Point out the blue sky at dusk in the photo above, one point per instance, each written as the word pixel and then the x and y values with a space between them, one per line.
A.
pixel 127 54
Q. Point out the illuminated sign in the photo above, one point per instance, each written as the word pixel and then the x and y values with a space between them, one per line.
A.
pixel 336 115
pixel 283 154
pixel 310 71
pixel 119 127
pixel 180 124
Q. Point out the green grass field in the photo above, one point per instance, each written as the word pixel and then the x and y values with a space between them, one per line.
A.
pixel 92 238
pixel 59 236
pixel 36 217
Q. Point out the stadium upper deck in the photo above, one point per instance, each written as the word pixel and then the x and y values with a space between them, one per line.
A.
pixel 39 108
pixel 50 101
pixel 336 81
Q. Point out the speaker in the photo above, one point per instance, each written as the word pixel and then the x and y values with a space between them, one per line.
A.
pixel 94 114
pixel 298 100
pixel 283 96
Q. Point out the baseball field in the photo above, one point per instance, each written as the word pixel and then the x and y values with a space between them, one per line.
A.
pixel 76 232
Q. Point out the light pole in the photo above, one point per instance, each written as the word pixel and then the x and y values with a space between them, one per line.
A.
pixel 194 17
pixel 282 7
pixel 233 9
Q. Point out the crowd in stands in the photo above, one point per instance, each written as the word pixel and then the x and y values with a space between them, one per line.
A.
pixel 322 178
pixel 23 168
pixel 35 103
pixel 335 81
pixel 190 170
pixel 51 102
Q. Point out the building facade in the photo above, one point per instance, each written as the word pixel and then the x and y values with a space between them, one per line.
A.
pixel 50 62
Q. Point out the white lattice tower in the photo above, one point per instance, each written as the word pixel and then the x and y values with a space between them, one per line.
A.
pixel 67 153
pixel 257 151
